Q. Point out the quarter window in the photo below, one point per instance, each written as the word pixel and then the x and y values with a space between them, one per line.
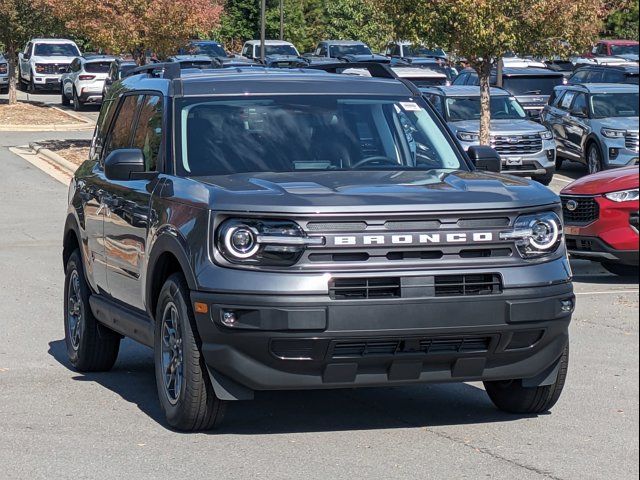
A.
pixel 148 135
pixel 568 97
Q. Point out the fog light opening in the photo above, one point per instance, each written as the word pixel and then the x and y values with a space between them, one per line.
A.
pixel 567 305
pixel 229 318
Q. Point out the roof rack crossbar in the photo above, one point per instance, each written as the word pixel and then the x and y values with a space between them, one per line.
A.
pixel 376 70
pixel 170 70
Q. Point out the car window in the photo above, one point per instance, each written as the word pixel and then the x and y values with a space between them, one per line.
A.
pixel 567 99
pixel 579 104
pixel 594 76
pixel 97 67
pixel 579 77
pixel 120 136
pixel 601 49
pixel 436 101
pixel 148 134
pixel 631 78
pixel 245 51
pixel 460 79
pixel 473 79
pixel 56 50
pixel 613 76
pixel 291 133
pixel 102 126
pixel 605 105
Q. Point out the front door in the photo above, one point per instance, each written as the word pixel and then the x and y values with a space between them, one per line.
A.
pixel 128 215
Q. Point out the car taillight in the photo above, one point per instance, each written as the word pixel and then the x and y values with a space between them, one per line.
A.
pixel 86 77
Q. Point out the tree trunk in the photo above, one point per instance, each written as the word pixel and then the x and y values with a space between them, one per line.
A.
pixel 484 74
pixel 13 85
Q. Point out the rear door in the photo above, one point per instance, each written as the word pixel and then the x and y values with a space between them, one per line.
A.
pixel 139 125
pixel 576 127
pixel 558 117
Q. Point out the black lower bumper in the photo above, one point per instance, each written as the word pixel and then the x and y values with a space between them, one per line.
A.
pixel 307 342
pixel 593 248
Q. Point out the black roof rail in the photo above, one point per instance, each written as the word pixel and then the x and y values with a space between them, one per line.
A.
pixel 169 70
pixel 377 70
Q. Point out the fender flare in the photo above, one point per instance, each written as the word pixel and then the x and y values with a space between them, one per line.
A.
pixel 168 241
pixel 70 224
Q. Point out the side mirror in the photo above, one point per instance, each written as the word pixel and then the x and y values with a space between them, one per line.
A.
pixel 121 163
pixel 485 158
pixel 579 113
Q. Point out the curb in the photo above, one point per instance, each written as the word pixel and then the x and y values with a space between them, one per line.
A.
pixel 85 123
pixel 62 162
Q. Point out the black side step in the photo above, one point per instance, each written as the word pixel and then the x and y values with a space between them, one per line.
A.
pixel 131 324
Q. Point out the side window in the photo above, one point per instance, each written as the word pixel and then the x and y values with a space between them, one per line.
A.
pixel 567 99
pixel 601 49
pixel 594 76
pixel 556 98
pixel 461 79
pixel 579 104
pixel 579 77
pixel 148 134
pixel 27 49
pixel 120 134
pixel 322 51
pixel 472 79
pixel 102 125
pixel 397 52
pixel 436 101
pixel 613 76
pixel 245 51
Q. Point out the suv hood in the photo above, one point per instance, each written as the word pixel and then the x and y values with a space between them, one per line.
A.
pixel 367 58
pixel 54 60
pixel 619 123
pixel 372 191
pixel 499 127
pixel 604 182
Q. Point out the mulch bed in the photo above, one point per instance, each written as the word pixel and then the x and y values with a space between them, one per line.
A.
pixel 76 151
pixel 30 114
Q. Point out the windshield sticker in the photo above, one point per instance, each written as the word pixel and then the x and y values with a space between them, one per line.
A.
pixel 410 106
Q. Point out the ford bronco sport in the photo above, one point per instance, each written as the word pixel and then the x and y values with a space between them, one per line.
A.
pixel 270 229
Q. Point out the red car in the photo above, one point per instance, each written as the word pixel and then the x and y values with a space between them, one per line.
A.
pixel 615 48
pixel 601 219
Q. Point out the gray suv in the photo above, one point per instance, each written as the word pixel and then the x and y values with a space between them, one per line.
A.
pixel 276 229
pixel 596 124
pixel 526 147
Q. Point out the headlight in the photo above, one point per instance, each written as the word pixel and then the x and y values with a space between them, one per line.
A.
pixel 536 235
pixel 39 68
pixel 623 195
pixel 258 242
pixel 546 135
pixel 613 133
pixel 468 136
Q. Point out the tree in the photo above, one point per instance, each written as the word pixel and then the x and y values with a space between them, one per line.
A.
pixel 21 20
pixel 623 21
pixel 138 26
pixel 483 31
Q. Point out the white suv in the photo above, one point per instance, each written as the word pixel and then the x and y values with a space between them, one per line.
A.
pixel 43 62
pixel 4 74
pixel 84 80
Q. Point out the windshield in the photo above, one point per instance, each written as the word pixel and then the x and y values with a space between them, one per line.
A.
pixel 342 50
pixel 624 49
pixel 468 108
pixel 209 48
pixel 304 133
pixel 126 68
pixel 417 51
pixel 605 105
pixel 542 85
pixel 278 50
pixel 56 50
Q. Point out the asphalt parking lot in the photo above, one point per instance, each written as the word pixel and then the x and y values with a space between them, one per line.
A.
pixel 56 423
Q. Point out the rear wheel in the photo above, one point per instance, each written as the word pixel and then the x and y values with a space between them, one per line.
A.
pixel 184 388
pixel 559 162
pixel 77 103
pixel 622 270
pixel 511 396
pixel 594 159
pixel 91 346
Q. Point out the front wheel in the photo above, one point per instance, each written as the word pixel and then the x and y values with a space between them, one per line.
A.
pixel 184 388
pixel 77 103
pixel 91 346
pixel 511 396
pixel 64 99
pixel 544 179
pixel 594 159
pixel 622 270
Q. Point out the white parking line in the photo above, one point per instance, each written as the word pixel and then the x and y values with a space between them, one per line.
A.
pixel 607 292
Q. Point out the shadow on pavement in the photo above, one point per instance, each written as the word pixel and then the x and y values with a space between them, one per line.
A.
pixel 305 411
pixel 573 170
pixel 585 271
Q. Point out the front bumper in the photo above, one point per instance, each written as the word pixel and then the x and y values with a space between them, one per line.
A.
pixel 539 163
pixel 47 81
pixel 617 152
pixel 314 342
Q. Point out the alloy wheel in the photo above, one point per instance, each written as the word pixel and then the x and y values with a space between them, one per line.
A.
pixel 172 359
pixel 75 311
pixel 594 161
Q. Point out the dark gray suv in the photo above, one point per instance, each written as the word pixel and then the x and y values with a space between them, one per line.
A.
pixel 272 229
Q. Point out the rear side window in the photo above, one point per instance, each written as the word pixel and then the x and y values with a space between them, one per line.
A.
pixel 632 78
pixel 148 135
pixel 436 101
pixel 613 76
pixel 579 104
pixel 121 131
pixel 594 76
pixel 579 77
pixel 567 99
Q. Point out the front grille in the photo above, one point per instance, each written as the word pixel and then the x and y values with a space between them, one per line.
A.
pixel 412 346
pixel 516 144
pixel 631 141
pixel 586 210
pixel 363 288
pixel 466 285
pixel 51 68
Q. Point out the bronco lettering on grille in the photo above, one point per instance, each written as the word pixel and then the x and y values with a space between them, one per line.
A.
pixel 409 239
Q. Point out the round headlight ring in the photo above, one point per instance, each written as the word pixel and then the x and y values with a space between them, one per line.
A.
pixel 241 241
pixel 552 233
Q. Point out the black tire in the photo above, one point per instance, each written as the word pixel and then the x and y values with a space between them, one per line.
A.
pixel 64 100
pixel 510 396
pixel 622 270
pixel 91 346
pixel 189 404
pixel 594 159
pixel 31 87
pixel 546 178
pixel 77 103
pixel 559 162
